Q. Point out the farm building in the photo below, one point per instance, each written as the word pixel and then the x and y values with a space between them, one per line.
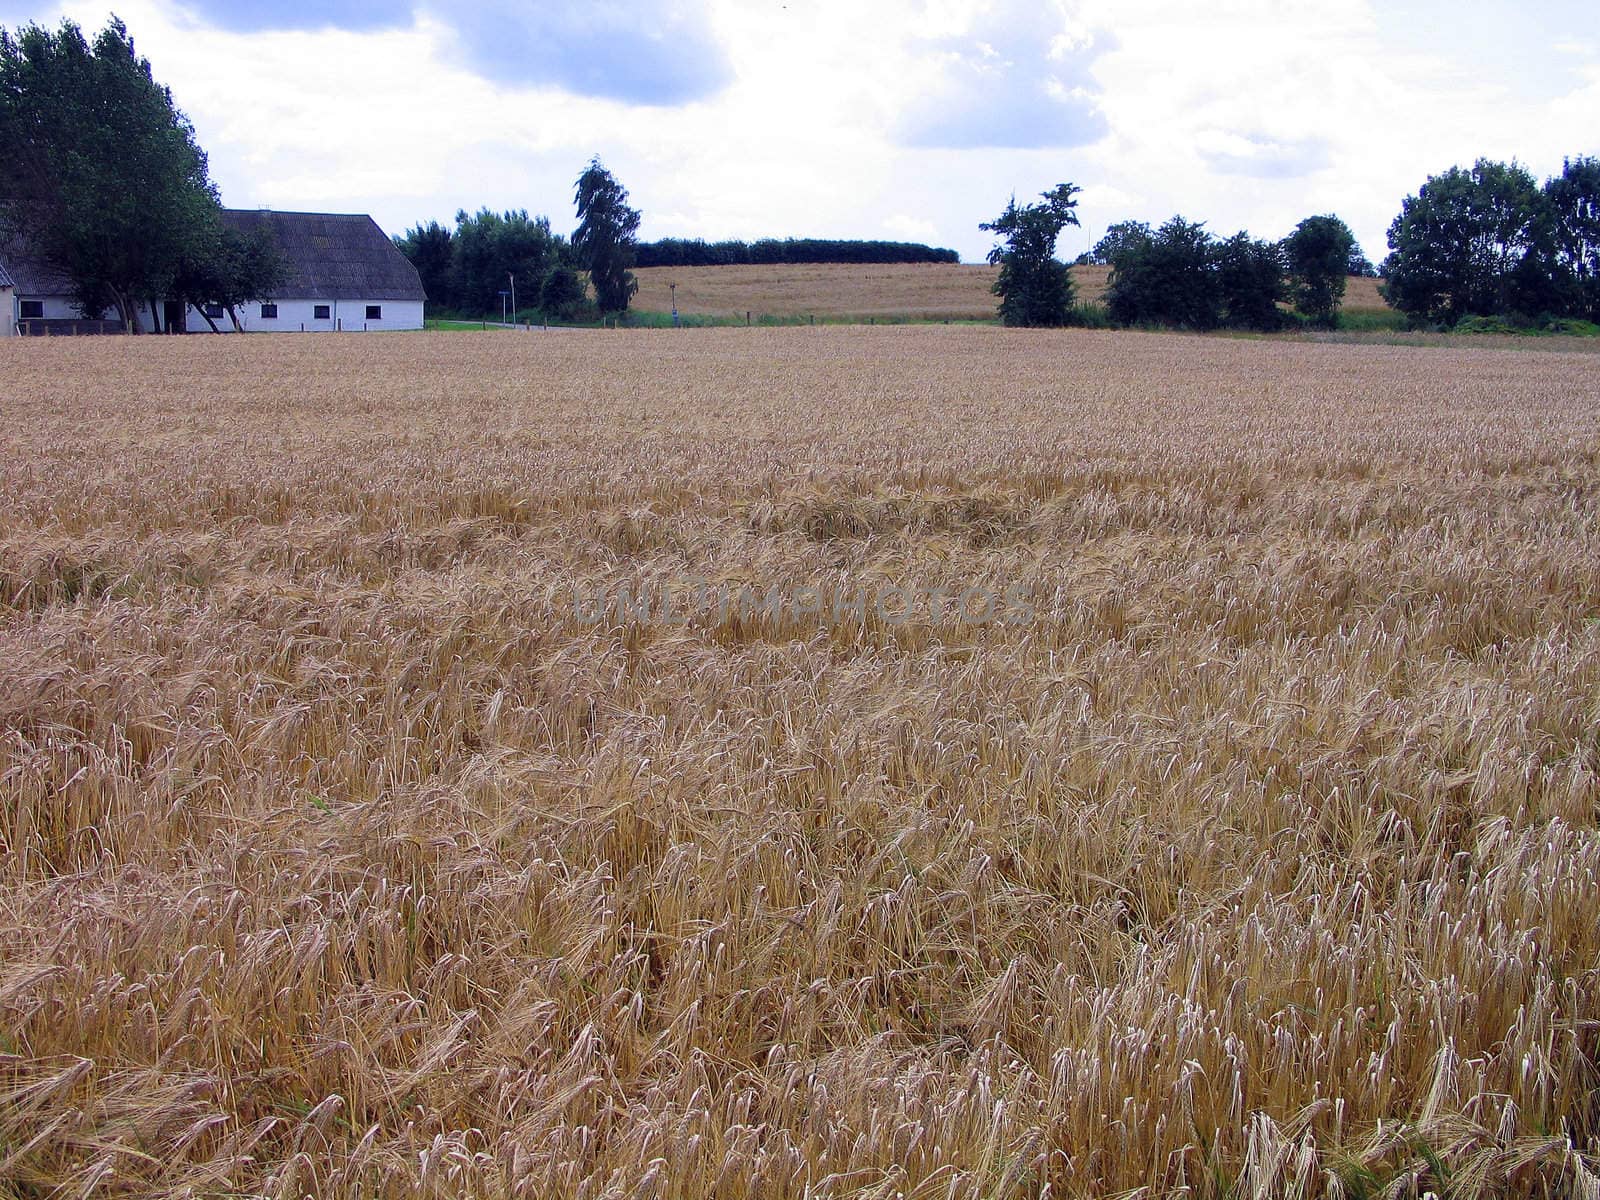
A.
pixel 8 303
pixel 343 274
pixel 38 292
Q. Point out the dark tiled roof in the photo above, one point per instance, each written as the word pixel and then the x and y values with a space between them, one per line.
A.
pixel 330 256
pixel 29 274
pixel 333 256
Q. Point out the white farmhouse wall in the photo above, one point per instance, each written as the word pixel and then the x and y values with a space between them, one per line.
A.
pixel 350 316
pixel 8 312
pixel 56 308
pixel 294 316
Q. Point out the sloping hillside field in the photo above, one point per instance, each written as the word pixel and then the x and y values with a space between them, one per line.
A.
pixel 878 292
pixel 810 762
pixel 920 291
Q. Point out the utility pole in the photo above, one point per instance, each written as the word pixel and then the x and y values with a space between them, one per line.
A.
pixel 513 277
pixel 674 288
pixel 503 296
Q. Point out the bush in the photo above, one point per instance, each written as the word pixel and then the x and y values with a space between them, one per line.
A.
pixel 1527 326
pixel 1250 277
pixel 563 296
pixel 1167 278
pixel 1089 316
pixel 1489 325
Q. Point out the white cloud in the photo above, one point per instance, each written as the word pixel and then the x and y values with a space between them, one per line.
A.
pixel 1244 114
pixel 1011 79
pixel 911 229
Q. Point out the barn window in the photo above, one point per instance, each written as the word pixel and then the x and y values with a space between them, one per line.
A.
pixel 321 312
pixel 269 312
pixel 32 310
pixel 213 311
pixel 374 312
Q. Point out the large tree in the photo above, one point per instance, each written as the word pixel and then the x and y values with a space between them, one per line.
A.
pixel 1168 277
pixel 1250 277
pixel 229 268
pixel 1035 288
pixel 1119 237
pixel 431 249
pixel 1319 253
pixel 606 236
pixel 1471 242
pixel 101 170
pixel 1573 198
pixel 495 252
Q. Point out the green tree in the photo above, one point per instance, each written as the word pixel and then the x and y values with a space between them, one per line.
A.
pixel 1471 243
pixel 606 236
pixel 1319 254
pixel 1167 278
pixel 1573 198
pixel 1250 279
pixel 1360 266
pixel 563 295
pixel 431 249
pixel 1034 287
pixel 491 249
pixel 1118 238
pixel 229 268
pixel 102 172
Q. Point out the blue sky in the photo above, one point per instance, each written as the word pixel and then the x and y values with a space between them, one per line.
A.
pixel 890 118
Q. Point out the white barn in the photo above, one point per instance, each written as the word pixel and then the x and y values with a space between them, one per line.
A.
pixel 343 274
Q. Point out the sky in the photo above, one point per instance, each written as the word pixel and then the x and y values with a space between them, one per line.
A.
pixel 904 119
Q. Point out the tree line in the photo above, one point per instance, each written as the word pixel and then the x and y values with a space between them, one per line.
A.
pixel 1485 243
pixel 465 268
pixel 494 262
pixel 696 252
pixel 1178 275
pixel 1491 242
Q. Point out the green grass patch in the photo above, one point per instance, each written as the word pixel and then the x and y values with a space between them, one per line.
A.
pixel 1372 320
pixel 1515 327
pixel 452 325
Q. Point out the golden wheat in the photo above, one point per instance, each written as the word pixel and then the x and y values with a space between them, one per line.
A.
pixel 341 855
pixel 1362 295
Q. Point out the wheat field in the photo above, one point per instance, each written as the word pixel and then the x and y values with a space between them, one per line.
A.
pixel 343 853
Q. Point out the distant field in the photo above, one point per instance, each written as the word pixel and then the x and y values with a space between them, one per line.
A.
pixel 926 291
pixel 1362 295
pixel 919 291
pixel 1132 765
